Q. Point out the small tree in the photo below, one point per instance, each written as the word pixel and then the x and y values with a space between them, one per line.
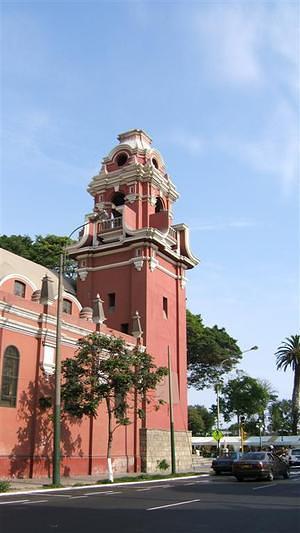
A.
pixel 246 396
pixel 104 369
pixel 201 420
pixel 281 414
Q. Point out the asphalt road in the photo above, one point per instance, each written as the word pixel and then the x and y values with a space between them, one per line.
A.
pixel 203 504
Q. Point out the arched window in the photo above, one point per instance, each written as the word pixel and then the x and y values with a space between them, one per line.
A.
pixel 19 289
pixel 67 307
pixel 10 372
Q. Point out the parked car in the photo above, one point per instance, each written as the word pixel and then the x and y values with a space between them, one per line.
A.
pixel 223 463
pixel 260 465
pixel 294 457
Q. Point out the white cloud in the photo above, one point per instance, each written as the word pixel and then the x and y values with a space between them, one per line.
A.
pixel 235 41
pixel 225 225
pixel 231 37
pixel 275 150
pixel 190 143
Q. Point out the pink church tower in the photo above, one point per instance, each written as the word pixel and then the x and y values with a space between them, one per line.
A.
pixel 136 259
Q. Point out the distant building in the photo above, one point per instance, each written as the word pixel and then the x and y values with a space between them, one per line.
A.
pixel 136 259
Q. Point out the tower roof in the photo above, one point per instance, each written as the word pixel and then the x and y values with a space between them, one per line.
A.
pixel 135 138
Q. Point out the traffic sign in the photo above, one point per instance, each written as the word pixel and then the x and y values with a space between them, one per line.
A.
pixel 217 434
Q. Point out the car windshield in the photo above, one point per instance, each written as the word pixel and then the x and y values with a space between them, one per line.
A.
pixel 295 452
pixel 256 456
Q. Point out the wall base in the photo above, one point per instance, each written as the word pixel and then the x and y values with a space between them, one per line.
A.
pixel 156 447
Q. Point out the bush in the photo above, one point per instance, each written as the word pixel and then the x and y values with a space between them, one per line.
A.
pixel 163 465
pixel 4 486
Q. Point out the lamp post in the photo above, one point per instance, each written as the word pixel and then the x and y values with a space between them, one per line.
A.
pixel 136 332
pixel 57 406
pixel 218 389
pixel 172 433
pixel 260 426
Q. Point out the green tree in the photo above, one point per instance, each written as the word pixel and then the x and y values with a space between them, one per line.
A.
pixel 17 244
pixel 281 417
pixel 245 396
pixel 43 250
pixel 105 370
pixel 207 349
pixel 200 420
pixel 288 356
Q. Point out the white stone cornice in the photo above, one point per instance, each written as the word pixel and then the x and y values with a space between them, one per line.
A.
pixel 19 311
pixel 133 172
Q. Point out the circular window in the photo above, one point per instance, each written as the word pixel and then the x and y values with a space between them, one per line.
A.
pixel 121 159
pixel 154 162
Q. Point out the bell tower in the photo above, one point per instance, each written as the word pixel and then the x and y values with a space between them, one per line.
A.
pixel 136 258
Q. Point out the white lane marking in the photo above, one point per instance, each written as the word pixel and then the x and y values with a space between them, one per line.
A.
pixel 143 490
pixel 14 501
pixel 172 505
pixel 114 492
pixel 163 486
pixel 99 492
pixel 265 486
pixel 34 501
pixel 188 484
pixel 77 497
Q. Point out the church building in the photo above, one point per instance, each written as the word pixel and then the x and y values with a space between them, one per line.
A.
pixel 131 253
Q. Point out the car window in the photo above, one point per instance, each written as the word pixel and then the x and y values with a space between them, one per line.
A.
pixel 255 456
pixel 295 452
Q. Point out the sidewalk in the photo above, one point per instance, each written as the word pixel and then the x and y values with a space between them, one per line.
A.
pixel 41 483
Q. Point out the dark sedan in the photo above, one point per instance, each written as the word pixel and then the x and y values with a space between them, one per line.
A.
pixel 260 465
pixel 223 463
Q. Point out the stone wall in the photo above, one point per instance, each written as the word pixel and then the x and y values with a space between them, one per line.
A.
pixel 156 447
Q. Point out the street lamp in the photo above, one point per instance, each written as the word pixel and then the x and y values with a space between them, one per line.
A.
pixel 218 390
pixel 57 406
pixel 260 425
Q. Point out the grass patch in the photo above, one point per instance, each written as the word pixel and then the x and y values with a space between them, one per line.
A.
pixel 144 477
pixel 4 486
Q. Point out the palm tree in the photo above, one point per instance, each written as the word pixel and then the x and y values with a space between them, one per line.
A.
pixel 288 355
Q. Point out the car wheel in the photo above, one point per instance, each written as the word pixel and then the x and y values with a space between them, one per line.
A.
pixel 239 478
pixel 270 476
pixel 286 474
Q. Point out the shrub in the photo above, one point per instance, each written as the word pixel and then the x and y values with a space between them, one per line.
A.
pixel 163 465
pixel 4 486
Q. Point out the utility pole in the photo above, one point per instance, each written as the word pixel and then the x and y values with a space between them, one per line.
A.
pixel 57 407
pixel 172 435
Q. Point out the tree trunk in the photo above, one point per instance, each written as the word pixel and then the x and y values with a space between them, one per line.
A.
pixel 109 441
pixel 296 400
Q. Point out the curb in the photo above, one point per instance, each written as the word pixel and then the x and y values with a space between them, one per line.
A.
pixel 35 491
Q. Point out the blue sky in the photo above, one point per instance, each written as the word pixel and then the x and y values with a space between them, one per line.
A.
pixel 216 85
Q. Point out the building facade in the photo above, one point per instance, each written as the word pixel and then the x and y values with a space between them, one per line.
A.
pixel 132 254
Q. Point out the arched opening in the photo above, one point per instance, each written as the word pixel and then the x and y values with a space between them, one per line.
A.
pixel 10 374
pixel 159 206
pixel 121 159
pixel 118 199
pixel 155 162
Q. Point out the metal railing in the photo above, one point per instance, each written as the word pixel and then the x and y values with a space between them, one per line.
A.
pixel 109 225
